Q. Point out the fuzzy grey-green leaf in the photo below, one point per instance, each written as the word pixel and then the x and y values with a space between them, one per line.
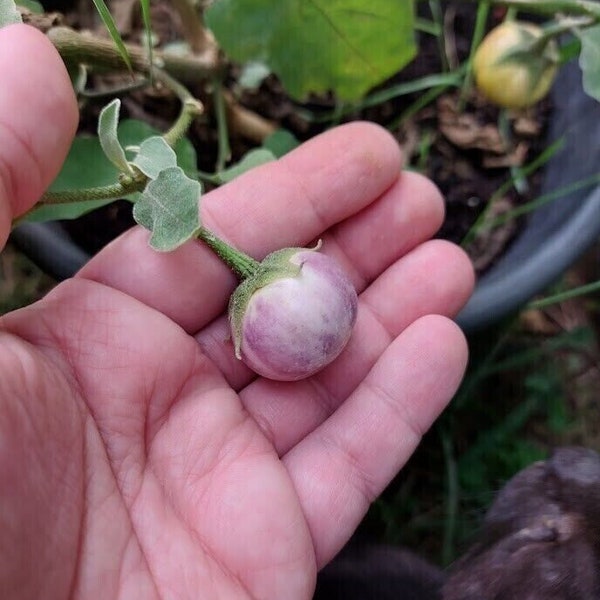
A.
pixel 154 156
pixel 108 123
pixel 86 166
pixel 169 208
pixel 9 14
pixel 589 60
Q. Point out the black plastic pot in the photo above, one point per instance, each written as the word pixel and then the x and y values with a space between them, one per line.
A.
pixel 559 232
pixel 552 240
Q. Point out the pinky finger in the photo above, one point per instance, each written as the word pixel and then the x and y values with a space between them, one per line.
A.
pixel 344 464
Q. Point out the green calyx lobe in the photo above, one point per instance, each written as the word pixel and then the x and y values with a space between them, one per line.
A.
pixel 273 267
pixel 533 51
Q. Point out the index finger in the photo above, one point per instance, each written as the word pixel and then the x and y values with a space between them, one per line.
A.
pixel 38 118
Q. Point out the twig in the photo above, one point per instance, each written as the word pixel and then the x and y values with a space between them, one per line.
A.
pixel 245 122
pixel 197 36
pixel 224 152
pixel 101 54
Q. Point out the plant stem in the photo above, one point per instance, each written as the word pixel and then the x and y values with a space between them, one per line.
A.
pixel 245 122
pixel 101 54
pixel 555 29
pixel 113 191
pixel 105 192
pixel 192 25
pixel 551 7
pixel 224 152
pixel 241 264
pixel 190 107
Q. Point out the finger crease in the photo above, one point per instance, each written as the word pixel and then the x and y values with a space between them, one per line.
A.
pixel 396 406
pixel 33 167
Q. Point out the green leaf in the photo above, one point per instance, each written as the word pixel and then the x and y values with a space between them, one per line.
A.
pixel 253 158
pixel 60 212
pixel 253 74
pixel 86 166
pixel 589 60
pixel 32 6
pixel 347 46
pixel 9 14
pixel 133 132
pixel 281 142
pixel 108 124
pixel 169 208
pixel 154 156
pixel 110 25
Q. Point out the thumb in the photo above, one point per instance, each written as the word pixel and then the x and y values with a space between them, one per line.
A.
pixel 38 119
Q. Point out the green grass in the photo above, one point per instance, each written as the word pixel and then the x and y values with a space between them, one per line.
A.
pixel 518 400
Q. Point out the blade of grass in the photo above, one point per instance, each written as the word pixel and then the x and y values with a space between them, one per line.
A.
pixel 545 199
pixel 451 499
pixel 145 6
pixel 438 18
pixel 436 81
pixel 488 441
pixel 574 339
pixel 581 290
pixel 525 171
pixel 425 26
pixel 110 25
pixel 421 102
pixel 478 33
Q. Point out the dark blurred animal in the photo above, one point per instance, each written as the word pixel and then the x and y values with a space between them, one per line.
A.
pixel 540 540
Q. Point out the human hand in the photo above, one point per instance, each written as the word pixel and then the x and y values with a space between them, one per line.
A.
pixel 139 458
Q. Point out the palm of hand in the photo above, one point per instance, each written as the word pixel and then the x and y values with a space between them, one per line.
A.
pixel 152 465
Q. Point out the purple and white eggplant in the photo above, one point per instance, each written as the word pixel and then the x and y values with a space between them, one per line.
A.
pixel 294 315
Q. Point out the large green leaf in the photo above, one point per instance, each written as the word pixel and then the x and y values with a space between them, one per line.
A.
pixel 280 142
pixel 347 46
pixel 589 60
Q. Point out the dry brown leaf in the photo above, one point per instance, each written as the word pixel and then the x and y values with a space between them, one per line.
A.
pixel 464 130
pixel 489 241
pixel 516 158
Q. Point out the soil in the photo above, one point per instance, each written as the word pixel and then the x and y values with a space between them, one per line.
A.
pixel 455 140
